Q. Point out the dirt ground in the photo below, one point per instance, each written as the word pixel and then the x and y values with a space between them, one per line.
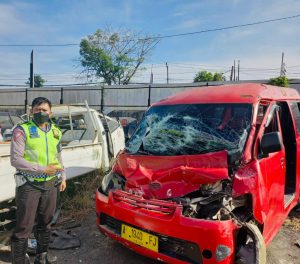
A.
pixel 96 248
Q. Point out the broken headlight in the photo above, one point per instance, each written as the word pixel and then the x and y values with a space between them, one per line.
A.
pixel 112 181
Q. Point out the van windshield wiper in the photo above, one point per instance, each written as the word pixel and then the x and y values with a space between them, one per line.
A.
pixel 143 152
pixel 213 149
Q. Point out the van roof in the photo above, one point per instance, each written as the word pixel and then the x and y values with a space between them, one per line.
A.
pixel 232 93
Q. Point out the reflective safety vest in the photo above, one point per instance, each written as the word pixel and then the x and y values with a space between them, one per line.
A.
pixel 41 147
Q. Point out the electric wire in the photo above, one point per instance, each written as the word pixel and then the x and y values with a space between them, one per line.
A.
pixel 165 36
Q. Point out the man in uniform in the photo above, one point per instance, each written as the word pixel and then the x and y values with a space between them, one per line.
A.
pixel 36 155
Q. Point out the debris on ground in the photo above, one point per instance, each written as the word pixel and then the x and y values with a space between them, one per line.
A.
pixel 66 223
pixel 297 243
pixel 64 240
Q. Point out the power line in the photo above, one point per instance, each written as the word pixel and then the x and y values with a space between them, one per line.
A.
pixel 39 45
pixel 164 36
pixel 229 27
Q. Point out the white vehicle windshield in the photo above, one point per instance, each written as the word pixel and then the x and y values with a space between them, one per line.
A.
pixel 190 129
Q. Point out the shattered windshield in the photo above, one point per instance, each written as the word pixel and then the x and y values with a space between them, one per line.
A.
pixel 189 129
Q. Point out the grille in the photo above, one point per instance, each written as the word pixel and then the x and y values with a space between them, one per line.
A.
pixel 164 207
pixel 170 246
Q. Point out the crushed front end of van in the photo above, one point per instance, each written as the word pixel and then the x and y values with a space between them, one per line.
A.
pixel 186 188
pixel 178 214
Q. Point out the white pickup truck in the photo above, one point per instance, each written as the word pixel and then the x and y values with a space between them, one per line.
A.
pixel 90 141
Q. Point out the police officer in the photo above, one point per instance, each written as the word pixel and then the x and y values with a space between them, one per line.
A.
pixel 36 155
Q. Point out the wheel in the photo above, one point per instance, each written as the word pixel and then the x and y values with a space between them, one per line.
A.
pixel 251 248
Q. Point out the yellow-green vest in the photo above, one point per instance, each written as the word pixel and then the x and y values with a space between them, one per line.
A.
pixel 42 147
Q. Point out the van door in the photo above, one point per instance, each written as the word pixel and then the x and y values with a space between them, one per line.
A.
pixel 272 177
pixel 289 141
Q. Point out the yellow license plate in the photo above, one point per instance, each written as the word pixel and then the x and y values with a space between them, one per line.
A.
pixel 139 237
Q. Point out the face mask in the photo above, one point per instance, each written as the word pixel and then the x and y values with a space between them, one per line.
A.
pixel 41 117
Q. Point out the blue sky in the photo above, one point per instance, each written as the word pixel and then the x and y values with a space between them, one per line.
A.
pixel 258 47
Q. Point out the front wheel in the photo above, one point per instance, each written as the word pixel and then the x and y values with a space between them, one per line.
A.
pixel 251 248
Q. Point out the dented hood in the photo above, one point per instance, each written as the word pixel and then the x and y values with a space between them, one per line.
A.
pixel 170 176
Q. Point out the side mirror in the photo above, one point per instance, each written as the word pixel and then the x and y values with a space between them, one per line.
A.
pixel 270 143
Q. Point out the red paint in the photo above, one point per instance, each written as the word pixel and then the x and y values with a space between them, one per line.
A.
pixel 263 178
pixel 206 234
pixel 182 174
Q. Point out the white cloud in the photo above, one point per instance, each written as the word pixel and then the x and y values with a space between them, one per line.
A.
pixel 10 20
pixel 188 24
pixel 274 8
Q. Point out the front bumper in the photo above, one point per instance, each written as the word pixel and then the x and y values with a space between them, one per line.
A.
pixel 181 239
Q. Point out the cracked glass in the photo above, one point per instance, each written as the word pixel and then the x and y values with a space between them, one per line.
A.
pixel 190 129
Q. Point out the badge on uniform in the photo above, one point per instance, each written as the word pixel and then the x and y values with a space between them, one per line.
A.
pixel 33 132
pixel 55 133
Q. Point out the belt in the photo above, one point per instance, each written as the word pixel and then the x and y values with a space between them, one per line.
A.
pixel 38 177
pixel 42 184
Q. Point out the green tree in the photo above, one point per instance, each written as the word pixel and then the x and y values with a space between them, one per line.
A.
pixel 38 81
pixel 279 81
pixel 219 77
pixel 205 76
pixel 114 56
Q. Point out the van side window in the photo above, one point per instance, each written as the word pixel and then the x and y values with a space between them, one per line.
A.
pixel 262 108
pixel 295 107
pixel 273 126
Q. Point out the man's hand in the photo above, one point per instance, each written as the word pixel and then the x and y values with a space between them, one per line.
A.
pixel 62 186
pixel 51 169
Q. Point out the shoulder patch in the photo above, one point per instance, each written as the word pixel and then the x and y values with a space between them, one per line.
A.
pixel 17 133
pixel 55 133
pixel 55 126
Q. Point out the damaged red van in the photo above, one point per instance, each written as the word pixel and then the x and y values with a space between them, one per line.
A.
pixel 209 175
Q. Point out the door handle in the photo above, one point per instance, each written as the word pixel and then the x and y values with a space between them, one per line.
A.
pixel 282 162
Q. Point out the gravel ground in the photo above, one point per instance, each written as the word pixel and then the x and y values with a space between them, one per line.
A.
pixel 97 248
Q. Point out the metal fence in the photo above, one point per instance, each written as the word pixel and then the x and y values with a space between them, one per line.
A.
pixel 103 98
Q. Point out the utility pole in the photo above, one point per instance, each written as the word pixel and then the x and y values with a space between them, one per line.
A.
pixel 234 70
pixel 151 75
pixel 31 77
pixel 282 68
pixel 238 75
pixel 167 72
pixel 231 74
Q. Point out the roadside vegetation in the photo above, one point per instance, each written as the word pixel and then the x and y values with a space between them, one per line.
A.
pixel 294 219
pixel 113 56
pixel 206 76
pixel 279 81
pixel 79 197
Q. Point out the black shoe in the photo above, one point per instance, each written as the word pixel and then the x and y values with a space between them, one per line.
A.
pixel 18 251
pixel 44 258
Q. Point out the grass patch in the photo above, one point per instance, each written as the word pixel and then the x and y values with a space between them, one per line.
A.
pixel 79 197
pixel 293 221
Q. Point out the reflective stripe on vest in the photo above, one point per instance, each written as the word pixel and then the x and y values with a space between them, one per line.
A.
pixel 41 146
